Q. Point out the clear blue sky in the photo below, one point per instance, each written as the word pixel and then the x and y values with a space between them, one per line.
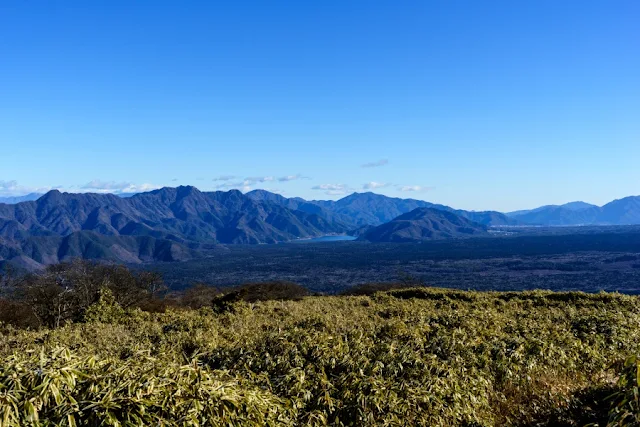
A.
pixel 475 104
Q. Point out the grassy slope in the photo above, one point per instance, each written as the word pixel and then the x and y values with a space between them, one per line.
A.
pixel 408 357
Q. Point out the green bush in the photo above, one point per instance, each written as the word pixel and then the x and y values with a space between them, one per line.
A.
pixel 61 388
pixel 626 407
pixel 106 310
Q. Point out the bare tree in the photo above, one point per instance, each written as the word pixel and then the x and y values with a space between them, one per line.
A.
pixel 63 292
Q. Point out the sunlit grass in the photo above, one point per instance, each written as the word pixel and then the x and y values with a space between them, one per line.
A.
pixel 406 357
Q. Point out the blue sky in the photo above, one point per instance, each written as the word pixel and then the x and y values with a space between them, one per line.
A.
pixel 475 104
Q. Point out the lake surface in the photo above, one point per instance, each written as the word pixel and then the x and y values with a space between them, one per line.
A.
pixel 340 238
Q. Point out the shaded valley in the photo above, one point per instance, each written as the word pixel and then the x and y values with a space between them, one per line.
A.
pixel 603 259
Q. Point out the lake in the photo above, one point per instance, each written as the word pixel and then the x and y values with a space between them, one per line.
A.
pixel 340 238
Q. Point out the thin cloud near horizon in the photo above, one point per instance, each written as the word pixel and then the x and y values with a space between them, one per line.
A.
pixel 379 163
pixel 224 178
pixel 332 189
pixel 11 188
pixel 373 185
pixel 117 187
pixel 414 188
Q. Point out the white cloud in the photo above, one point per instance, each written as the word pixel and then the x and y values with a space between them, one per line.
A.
pixel 382 162
pixel 332 189
pixel 240 185
pixel 373 185
pixel 276 191
pixel 292 178
pixel 224 178
pixel 415 188
pixel 12 188
pixel 252 180
pixel 8 185
pixel 329 187
pixel 255 179
pixel 98 186
pixel 224 186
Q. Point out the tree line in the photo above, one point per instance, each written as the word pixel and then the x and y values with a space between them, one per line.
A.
pixel 63 293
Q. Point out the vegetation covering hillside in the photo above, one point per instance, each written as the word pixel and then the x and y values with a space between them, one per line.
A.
pixel 423 224
pixel 415 356
pixel 362 209
pixel 170 224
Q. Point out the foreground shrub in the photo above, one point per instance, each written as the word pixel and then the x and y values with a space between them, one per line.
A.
pixel 373 288
pixel 106 310
pixel 268 291
pixel 626 407
pixel 415 357
pixel 60 388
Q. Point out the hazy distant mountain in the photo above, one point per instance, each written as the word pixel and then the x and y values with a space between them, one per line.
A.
pixel 177 220
pixel 571 206
pixel 373 209
pixel 17 199
pixel 424 224
pixel 618 212
pixel 578 206
pixel 361 209
pixel 621 212
pixel 558 215
pixel 296 203
pixel 35 196
pixel 491 218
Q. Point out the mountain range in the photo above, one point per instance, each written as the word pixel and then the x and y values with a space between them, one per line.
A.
pixel 161 225
pixel 571 206
pixel 362 209
pixel 424 224
pixel 172 224
pixel 17 199
pixel 624 211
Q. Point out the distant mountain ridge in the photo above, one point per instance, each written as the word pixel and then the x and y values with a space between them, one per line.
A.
pixel 181 220
pixel 297 203
pixel 624 211
pixel 12 200
pixel 17 199
pixel 571 206
pixel 172 224
pixel 363 209
pixel 423 224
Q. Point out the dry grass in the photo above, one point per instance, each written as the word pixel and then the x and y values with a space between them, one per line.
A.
pixel 425 357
